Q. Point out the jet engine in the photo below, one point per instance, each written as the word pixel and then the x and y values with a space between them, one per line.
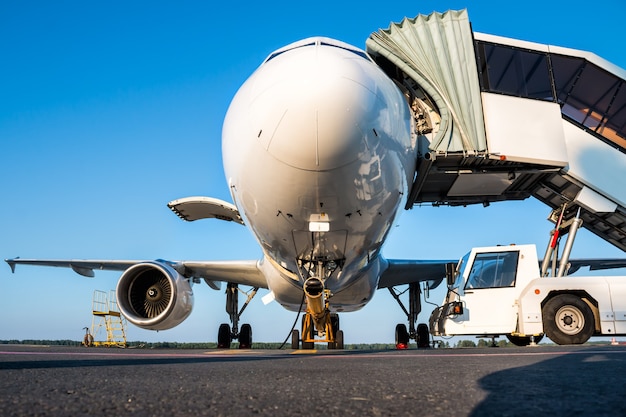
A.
pixel 154 296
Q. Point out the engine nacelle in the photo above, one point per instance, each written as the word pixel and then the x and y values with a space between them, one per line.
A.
pixel 154 296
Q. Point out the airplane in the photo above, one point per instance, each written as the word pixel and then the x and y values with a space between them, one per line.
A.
pixel 319 150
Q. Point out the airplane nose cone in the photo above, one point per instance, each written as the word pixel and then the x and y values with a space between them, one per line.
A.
pixel 319 107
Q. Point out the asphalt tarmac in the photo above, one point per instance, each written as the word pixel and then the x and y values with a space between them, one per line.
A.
pixel 532 381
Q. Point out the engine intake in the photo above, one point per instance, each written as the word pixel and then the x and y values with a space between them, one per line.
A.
pixel 152 295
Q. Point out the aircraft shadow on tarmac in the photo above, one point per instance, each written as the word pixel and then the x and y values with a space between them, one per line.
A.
pixel 582 382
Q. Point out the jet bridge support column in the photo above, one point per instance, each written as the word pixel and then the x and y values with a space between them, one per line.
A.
pixel 563 266
pixel 559 267
pixel 553 244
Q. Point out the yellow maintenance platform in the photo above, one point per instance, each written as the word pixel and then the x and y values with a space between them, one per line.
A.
pixel 106 314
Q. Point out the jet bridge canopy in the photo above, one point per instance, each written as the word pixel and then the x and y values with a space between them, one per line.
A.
pixel 436 53
pixel 502 119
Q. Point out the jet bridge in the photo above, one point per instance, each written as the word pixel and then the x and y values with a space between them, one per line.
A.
pixel 503 119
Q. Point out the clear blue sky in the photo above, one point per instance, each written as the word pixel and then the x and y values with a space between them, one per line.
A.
pixel 108 110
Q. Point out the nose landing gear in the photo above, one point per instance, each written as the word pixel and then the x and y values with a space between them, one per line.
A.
pixel 332 334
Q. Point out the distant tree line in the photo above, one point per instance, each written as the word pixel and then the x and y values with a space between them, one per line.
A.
pixel 41 342
pixel 483 343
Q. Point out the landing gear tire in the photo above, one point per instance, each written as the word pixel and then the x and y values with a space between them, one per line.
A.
pixel 339 339
pixel 295 339
pixel 568 320
pixel 245 337
pixel 402 337
pixel 423 336
pixel 522 340
pixel 223 336
pixel 334 323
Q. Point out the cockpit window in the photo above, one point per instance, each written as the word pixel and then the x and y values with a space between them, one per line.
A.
pixel 493 270
pixel 282 51
pixel 355 51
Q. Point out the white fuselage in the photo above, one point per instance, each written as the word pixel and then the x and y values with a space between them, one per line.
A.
pixel 318 153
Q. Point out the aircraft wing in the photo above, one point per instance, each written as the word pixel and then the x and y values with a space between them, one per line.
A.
pixel 401 272
pixel 237 272
pixel 82 267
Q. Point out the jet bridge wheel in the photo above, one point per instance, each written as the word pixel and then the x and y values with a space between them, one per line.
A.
pixel 568 320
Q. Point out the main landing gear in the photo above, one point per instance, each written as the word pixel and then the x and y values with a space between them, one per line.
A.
pixel 225 334
pixel 421 335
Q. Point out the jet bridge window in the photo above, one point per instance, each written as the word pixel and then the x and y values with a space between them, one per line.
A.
pixel 493 270
pixel 591 97
pixel 514 71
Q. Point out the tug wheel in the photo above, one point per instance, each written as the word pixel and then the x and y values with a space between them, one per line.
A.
pixel 568 320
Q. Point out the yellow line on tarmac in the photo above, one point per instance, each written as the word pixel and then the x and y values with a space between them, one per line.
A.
pixel 304 352
pixel 229 351
pixel 234 352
